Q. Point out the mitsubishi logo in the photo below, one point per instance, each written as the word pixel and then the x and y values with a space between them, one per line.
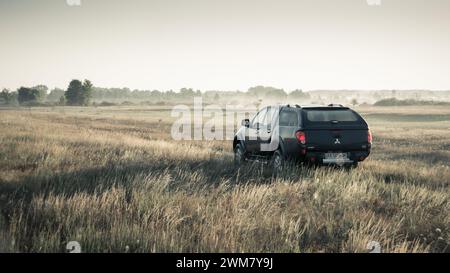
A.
pixel 337 141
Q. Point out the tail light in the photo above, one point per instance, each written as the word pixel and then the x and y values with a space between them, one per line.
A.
pixel 369 136
pixel 301 137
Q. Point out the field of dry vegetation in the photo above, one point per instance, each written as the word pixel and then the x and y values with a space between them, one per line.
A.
pixel 113 179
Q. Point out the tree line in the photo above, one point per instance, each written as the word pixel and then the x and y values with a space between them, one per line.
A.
pixel 78 93
pixel 83 93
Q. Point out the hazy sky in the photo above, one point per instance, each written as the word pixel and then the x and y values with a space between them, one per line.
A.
pixel 226 45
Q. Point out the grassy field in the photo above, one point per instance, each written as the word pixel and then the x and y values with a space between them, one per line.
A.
pixel 113 179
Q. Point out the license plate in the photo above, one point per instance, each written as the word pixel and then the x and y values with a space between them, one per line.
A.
pixel 336 156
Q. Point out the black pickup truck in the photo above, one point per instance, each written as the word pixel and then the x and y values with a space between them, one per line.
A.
pixel 330 134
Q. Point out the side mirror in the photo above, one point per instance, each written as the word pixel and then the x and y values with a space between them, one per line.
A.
pixel 245 123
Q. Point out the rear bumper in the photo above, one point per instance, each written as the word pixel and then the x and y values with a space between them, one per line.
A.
pixel 352 158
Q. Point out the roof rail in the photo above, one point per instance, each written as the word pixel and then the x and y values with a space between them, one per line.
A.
pixel 335 105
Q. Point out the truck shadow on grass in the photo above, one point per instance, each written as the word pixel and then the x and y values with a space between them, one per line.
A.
pixel 100 179
pixel 189 175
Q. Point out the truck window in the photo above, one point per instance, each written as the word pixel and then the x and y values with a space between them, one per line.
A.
pixel 259 118
pixel 271 113
pixel 331 115
pixel 288 118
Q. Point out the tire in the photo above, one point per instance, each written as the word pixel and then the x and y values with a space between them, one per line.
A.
pixel 277 162
pixel 239 155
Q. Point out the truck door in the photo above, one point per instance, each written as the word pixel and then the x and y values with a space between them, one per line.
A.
pixel 266 129
pixel 251 138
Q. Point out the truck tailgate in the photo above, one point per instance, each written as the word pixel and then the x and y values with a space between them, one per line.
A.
pixel 336 139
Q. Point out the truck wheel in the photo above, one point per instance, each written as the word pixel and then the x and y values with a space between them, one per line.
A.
pixel 277 162
pixel 239 155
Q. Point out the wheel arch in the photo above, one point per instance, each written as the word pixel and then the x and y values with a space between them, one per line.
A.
pixel 236 142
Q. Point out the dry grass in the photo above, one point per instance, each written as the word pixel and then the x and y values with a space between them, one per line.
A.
pixel 114 180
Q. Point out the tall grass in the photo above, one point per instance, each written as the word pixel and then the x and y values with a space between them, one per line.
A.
pixel 116 183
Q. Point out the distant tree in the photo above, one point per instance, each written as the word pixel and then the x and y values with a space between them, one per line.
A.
pixel 299 94
pixel 78 93
pixel 87 92
pixel 7 97
pixel 266 92
pixel 62 100
pixel 216 97
pixel 155 94
pixel 73 93
pixel 42 89
pixel 276 93
pixel 26 95
pixel 187 92
pixel 55 95
pixel 4 96
pixel 169 94
pixel 354 101
pixel 394 93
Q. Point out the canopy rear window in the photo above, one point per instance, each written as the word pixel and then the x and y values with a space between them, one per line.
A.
pixel 332 115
